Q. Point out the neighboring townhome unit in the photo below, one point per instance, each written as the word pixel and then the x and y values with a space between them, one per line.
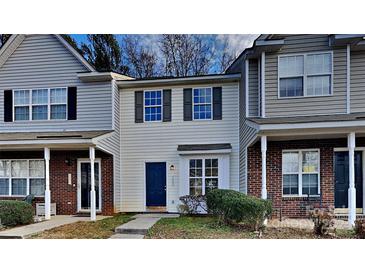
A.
pixel 302 122
pixel 59 124
pixel 179 137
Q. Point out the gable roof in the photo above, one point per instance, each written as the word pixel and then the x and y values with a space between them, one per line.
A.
pixel 16 39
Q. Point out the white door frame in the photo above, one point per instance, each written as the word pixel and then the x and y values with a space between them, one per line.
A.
pixel 362 149
pixel 87 160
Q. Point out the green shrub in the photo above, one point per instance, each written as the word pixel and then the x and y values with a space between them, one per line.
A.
pixel 234 207
pixel 14 213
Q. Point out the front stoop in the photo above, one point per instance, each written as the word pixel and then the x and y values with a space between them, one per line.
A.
pixel 137 228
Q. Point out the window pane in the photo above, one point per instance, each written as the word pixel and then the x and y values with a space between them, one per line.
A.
pixel 21 97
pixel 19 187
pixel 40 96
pixel 21 113
pixel 4 168
pixel 4 187
pixel 36 168
pixel 58 96
pixel 291 87
pixel 290 184
pixel 19 168
pixel 319 63
pixel 290 162
pixel 310 161
pixel 291 65
pixel 310 184
pixel 37 187
pixel 39 112
pixel 319 85
pixel 211 183
pixel 196 186
pixel 196 168
pixel 58 112
pixel 211 167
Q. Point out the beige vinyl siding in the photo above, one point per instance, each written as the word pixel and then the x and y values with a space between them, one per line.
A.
pixel 336 103
pixel 253 85
pixel 42 61
pixel 158 141
pixel 112 146
pixel 357 81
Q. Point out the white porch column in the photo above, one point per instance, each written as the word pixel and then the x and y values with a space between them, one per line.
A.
pixel 263 166
pixel 47 192
pixel 92 191
pixel 352 190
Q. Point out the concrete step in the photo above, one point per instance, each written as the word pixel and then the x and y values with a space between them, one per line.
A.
pixel 127 236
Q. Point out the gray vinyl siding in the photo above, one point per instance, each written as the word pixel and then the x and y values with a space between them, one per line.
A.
pixel 247 136
pixel 42 61
pixel 158 141
pixel 253 85
pixel 336 103
pixel 357 81
pixel 112 146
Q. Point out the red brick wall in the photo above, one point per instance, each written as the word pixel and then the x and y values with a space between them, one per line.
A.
pixel 63 194
pixel 293 206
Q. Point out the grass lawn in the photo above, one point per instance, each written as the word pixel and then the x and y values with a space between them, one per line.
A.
pixel 207 228
pixel 102 229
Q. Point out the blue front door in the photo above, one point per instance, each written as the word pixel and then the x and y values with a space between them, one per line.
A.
pixel 155 184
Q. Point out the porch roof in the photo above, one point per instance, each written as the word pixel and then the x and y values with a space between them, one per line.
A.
pixel 51 139
pixel 309 119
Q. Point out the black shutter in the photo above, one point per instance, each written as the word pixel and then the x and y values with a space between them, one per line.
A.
pixel 138 106
pixel 8 105
pixel 188 104
pixel 217 103
pixel 71 103
pixel 167 105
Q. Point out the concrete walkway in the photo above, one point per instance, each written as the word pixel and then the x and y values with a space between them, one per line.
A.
pixel 137 228
pixel 26 231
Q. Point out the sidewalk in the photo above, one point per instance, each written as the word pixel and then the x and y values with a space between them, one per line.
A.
pixel 26 231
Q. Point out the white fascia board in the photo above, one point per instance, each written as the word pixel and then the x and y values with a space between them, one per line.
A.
pixel 195 152
pixel 177 81
pixel 47 142
pixel 74 52
pixel 316 125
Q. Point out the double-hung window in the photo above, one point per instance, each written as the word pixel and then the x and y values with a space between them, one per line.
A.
pixel 203 175
pixel 202 103
pixel 305 75
pixel 22 177
pixel 153 105
pixel 40 104
pixel 301 172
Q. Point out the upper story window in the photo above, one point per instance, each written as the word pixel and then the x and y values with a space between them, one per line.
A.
pixel 305 75
pixel 301 172
pixel 40 104
pixel 153 105
pixel 202 103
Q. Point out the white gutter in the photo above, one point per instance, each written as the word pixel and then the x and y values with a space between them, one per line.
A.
pixel 175 81
pixel 311 125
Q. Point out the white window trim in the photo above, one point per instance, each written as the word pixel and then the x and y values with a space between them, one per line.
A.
pixel 193 104
pixel 30 105
pixel 300 173
pixel 204 177
pixel 305 74
pixel 144 106
pixel 28 177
